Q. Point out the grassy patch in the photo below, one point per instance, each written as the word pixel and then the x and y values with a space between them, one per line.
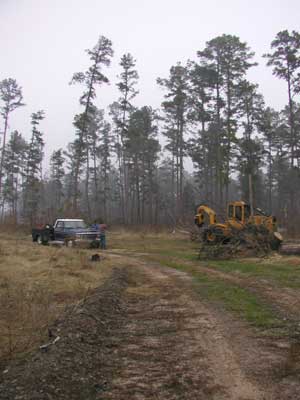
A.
pixel 177 252
pixel 232 297
pixel 280 272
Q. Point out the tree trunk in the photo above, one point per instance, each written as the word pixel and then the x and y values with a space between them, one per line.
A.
pixel 292 134
pixel 3 149
pixel 96 199
pixel 250 194
pixel 82 134
pixel 181 210
pixel 219 181
pixel 87 180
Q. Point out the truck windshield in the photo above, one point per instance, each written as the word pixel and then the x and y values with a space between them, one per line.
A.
pixel 75 224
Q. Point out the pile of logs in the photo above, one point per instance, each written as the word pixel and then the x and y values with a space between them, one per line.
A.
pixel 243 243
pixel 290 248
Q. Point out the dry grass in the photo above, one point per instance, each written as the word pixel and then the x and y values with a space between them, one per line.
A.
pixel 36 283
pixel 148 241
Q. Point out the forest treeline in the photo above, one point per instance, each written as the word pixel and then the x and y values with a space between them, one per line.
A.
pixel 117 169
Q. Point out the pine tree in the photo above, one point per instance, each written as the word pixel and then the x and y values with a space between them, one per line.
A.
pixel 203 144
pixel 93 138
pixel 249 155
pixel 285 61
pixel 11 97
pixel 163 210
pixel 269 124
pixel 100 56
pixel 121 111
pixel 13 167
pixel 104 152
pixel 74 160
pixel 57 173
pixel 176 107
pixel 230 59
pixel 33 172
pixel 142 149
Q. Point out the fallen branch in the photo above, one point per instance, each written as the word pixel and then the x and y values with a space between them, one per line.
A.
pixel 46 346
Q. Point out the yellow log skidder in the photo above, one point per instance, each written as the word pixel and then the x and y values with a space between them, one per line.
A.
pixel 241 219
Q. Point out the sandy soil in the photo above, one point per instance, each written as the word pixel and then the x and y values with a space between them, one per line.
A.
pixel 145 334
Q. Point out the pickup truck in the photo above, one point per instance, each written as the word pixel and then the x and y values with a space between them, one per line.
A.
pixel 67 231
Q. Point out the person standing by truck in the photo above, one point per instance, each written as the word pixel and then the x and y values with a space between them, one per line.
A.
pixel 102 230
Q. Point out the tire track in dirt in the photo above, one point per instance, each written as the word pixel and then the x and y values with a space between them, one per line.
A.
pixel 286 300
pixel 145 334
pixel 173 348
pixel 245 363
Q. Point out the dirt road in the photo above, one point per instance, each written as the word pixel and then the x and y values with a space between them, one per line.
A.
pixel 147 334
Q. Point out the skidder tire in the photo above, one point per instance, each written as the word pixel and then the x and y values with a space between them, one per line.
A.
pixel 212 236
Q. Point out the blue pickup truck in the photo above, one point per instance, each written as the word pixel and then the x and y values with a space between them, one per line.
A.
pixel 69 232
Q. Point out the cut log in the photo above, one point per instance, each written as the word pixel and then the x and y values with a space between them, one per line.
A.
pixel 290 249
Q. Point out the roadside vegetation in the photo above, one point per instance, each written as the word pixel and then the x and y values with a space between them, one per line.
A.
pixel 37 283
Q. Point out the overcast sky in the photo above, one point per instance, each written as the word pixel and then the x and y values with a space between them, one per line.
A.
pixel 42 44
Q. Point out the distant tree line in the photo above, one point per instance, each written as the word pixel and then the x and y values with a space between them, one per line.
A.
pixel 117 169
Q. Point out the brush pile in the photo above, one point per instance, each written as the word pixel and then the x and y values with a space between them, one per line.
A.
pixel 250 242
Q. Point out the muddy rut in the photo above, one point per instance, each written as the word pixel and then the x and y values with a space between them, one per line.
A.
pixel 145 334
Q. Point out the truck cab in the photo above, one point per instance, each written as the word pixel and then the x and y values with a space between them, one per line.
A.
pixel 66 227
pixel 67 231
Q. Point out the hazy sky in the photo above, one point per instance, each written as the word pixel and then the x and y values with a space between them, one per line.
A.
pixel 42 44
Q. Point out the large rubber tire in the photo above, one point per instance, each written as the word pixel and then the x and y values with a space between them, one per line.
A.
pixel 213 236
pixel 39 239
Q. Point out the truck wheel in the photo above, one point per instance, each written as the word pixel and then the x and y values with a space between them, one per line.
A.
pixel 45 239
pixel 42 239
pixel 39 239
